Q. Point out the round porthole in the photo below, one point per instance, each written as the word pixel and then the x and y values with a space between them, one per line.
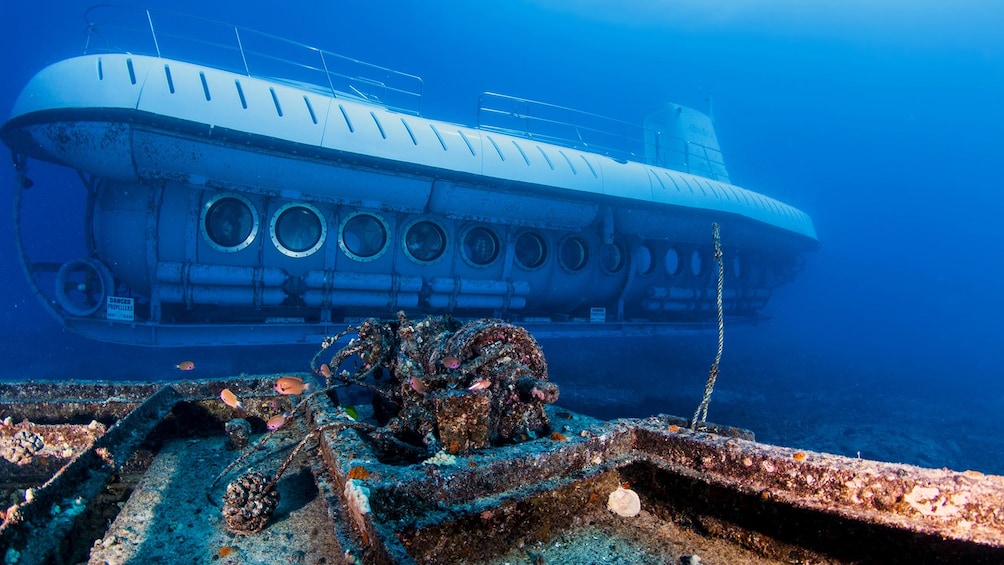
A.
pixel 363 236
pixel 481 246
pixel 297 229
pixel 424 241
pixel 643 260
pixel 672 262
pixel 697 263
pixel 229 222
pixel 573 253
pixel 531 251
pixel 611 257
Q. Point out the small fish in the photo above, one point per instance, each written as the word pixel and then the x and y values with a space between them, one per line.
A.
pixel 230 399
pixel 418 385
pixel 351 412
pixel 276 422
pixel 325 370
pixel 291 385
pixel 451 362
pixel 480 384
pixel 186 365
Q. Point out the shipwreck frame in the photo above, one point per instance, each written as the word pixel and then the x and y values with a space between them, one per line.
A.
pixel 716 484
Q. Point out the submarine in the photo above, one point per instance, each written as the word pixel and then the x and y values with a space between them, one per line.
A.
pixel 246 189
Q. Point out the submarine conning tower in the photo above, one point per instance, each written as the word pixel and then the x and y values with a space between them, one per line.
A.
pixel 683 139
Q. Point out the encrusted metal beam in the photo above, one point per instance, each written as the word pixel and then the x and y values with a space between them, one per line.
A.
pixel 33 530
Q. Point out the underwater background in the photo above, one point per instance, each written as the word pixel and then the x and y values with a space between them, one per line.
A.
pixel 883 121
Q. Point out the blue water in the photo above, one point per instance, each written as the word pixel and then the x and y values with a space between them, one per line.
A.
pixel 884 123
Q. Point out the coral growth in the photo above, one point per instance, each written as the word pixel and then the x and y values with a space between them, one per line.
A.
pixel 249 501
pixel 23 447
pixel 239 432
pixel 357 499
pixel 624 502
pixel 439 383
pixel 440 388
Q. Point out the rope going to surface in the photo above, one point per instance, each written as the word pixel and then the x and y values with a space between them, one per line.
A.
pixel 702 410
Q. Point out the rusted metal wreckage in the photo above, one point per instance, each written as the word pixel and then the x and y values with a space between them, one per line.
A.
pixel 448 468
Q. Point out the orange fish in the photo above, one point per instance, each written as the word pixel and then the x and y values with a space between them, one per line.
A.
pixel 325 370
pixel 480 384
pixel 276 422
pixel 230 399
pixel 291 385
pixel 451 362
pixel 417 384
pixel 186 365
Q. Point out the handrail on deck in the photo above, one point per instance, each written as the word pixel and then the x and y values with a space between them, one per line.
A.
pixel 115 28
pixel 559 124
pixel 577 129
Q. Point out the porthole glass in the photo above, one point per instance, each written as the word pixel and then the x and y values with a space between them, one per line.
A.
pixel 672 262
pixel 481 246
pixel 573 254
pixel 696 263
pixel 611 257
pixel 229 222
pixel 363 236
pixel 425 241
pixel 643 260
pixel 531 251
pixel 297 229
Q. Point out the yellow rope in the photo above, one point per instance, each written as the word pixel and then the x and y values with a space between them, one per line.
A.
pixel 702 411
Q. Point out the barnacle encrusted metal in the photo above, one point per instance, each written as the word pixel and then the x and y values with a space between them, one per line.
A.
pixel 249 501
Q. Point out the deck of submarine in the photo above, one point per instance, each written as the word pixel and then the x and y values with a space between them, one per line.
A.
pixel 137 491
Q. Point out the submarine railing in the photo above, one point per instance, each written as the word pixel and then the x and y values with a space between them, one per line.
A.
pixel 578 129
pixel 115 28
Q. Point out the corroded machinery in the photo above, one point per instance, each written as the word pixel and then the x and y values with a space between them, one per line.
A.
pixel 442 383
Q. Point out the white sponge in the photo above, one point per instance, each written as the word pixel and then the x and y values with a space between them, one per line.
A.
pixel 624 502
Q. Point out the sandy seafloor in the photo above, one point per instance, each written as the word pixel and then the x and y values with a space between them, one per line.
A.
pixel 804 400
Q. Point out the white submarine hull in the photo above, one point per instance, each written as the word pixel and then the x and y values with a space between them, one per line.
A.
pixel 230 208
